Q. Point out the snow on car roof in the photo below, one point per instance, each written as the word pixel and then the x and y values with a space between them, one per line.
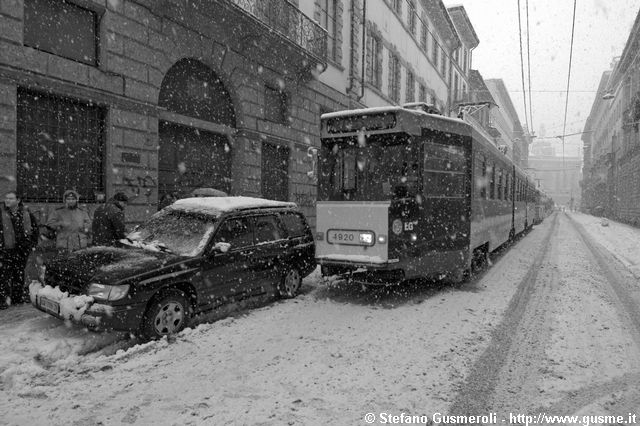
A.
pixel 218 205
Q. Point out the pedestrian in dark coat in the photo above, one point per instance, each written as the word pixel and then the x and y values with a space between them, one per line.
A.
pixel 108 221
pixel 18 237
pixel 166 200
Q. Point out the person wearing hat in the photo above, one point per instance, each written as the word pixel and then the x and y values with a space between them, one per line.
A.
pixel 71 223
pixel 108 221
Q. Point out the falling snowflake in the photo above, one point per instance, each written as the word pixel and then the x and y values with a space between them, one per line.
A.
pixel 182 168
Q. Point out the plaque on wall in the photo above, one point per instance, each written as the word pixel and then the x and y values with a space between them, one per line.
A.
pixel 131 157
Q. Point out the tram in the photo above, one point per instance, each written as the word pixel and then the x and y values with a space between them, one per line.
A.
pixel 404 193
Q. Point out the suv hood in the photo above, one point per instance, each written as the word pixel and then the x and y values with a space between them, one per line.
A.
pixel 106 265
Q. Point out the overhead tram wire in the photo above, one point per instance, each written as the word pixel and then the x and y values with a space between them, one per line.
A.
pixel 566 104
pixel 524 92
pixel 529 69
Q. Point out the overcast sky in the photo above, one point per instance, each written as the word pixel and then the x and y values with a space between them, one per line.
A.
pixel 601 31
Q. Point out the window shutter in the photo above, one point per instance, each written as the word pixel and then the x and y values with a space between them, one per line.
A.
pixel 369 72
pixel 391 73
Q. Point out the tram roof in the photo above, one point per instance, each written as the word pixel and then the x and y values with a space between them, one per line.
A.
pixel 413 120
pixel 458 125
pixel 385 109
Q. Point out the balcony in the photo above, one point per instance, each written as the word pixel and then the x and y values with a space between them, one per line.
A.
pixel 280 30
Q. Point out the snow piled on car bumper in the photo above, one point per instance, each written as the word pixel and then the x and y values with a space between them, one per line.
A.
pixel 71 307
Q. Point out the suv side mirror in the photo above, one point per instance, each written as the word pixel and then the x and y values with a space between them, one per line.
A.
pixel 221 247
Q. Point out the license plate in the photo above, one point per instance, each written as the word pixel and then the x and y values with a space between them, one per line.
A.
pixel 49 305
pixel 351 238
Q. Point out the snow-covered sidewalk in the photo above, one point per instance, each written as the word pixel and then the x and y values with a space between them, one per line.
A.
pixel 622 240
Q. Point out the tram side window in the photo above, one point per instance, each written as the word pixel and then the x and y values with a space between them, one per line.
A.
pixel 520 195
pixel 506 186
pixel 500 193
pixel 445 170
pixel 484 178
pixel 492 182
pixel 480 174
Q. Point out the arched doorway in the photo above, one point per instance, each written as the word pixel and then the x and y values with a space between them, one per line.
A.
pixel 194 131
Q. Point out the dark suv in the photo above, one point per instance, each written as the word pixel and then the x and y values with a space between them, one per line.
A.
pixel 190 258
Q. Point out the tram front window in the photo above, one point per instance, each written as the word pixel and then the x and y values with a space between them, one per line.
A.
pixel 382 168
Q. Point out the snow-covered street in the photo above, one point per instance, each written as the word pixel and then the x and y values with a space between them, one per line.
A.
pixel 541 330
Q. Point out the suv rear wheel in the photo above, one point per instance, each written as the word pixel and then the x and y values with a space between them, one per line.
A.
pixel 168 314
pixel 290 283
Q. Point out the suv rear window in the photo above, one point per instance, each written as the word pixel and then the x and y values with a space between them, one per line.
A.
pixel 237 232
pixel 294 223
pixel 266 229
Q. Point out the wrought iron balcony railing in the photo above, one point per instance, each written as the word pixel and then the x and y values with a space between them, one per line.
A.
pixel 290 22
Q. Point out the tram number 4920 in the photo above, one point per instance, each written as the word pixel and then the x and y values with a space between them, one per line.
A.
pixel 342 237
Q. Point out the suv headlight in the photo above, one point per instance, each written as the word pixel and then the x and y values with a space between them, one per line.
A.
pixel 107 292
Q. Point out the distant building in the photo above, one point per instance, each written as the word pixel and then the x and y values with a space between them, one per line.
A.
pixel 480 107
pixel 557 177
pixel 461 69
pixel 612 138
pixel 505 120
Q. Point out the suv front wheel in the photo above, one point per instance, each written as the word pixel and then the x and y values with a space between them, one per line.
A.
pixel 167 314
pixel 290 283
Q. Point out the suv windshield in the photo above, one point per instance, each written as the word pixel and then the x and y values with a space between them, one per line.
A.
pixel 181 233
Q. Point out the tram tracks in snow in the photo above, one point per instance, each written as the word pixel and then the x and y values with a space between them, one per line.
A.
pixel 569 339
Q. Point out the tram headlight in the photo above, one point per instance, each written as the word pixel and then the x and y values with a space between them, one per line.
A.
pixel 382 239
pixel 366 238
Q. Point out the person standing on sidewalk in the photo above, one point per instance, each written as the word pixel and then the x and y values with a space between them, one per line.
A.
pixel 71 223
pixel 108 221
pixel 18 237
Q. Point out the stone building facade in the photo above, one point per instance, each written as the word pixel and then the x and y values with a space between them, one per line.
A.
pixel 150 97
pixel 611 138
